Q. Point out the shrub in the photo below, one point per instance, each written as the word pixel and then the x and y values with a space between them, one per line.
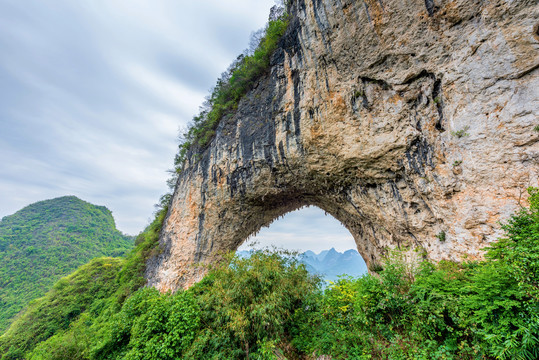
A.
pixel 476 310
pixel 503 297
pixel 247 306
pixel 149 326
pixel 461 133
pixel 441 236
pixel 357 318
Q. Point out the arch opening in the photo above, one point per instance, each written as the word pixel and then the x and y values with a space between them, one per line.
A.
pixel 324 245
pixel 199 229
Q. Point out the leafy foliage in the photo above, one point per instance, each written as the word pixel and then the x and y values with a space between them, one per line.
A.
pixel 461 133
pixel 478 310
pixel 84 290
pixel 150 326
pixel 267 306
pixel 247 306
pixel 244 307
pixel 503 298
pixel 47 240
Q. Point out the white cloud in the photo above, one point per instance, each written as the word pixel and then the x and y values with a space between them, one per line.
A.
pixel 305 229
pixel 92 94
pixel 176 94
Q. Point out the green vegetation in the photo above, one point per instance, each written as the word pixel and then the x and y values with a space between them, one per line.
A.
pixel 441 236
pixel 85 290
pixel 66 320
pixel 232 86
pixel 240 310
pixel 243 306
pixel 47 240
pixel 461 133
pixel 269 307
pixel 536 128
pixel 476 310
pixel 248 307
pixel 150 326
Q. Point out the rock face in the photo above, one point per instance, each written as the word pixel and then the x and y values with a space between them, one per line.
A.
pixel 405 120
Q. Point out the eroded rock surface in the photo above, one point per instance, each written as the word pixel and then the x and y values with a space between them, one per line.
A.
pixel 402 119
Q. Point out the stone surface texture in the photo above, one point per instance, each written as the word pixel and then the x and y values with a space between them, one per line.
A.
pixel 402 119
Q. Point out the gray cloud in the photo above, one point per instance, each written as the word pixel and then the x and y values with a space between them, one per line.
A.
pixel 92 94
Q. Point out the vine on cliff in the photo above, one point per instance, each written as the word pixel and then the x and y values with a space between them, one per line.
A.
pixel 233 84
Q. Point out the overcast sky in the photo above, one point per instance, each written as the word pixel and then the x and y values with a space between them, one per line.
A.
pixel 93 93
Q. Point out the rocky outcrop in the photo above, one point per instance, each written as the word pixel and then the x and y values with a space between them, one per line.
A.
pixel 411 122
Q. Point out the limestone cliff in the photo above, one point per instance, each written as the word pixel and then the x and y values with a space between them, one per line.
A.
pixel 403 119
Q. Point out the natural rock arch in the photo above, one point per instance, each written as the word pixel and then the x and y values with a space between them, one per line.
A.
pixel 401 120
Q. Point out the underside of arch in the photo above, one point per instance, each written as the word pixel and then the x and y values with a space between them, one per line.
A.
pixel 402 122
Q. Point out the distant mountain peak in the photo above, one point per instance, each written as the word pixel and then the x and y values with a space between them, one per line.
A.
pixel 329 264
pixel 332 263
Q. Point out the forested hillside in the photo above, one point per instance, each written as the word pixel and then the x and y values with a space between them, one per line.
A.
pixel 47 240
